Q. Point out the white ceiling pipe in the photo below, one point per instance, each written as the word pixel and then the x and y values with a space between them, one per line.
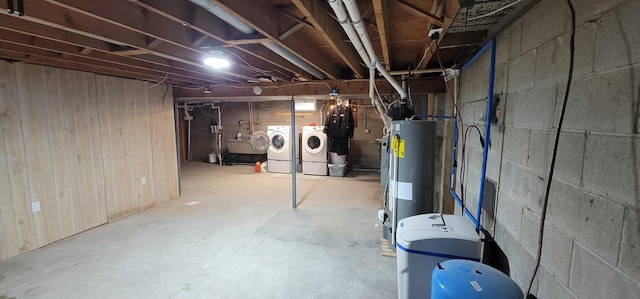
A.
pixel 358 24
pixel 246 29
pixel 343 19
pixel 376 102
pixel 345 22
pixel 224 15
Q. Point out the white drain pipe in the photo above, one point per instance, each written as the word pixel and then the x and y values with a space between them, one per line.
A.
pixel 343 19
pixel 358 24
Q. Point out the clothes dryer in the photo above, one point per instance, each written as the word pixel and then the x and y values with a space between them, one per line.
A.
pixel 279 152
pixel 314 150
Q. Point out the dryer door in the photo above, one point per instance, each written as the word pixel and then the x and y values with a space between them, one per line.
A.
pixel 260 141
pixel 278 142
pixel 315 142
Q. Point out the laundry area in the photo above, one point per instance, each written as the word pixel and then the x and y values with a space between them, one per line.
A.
pixel 320 149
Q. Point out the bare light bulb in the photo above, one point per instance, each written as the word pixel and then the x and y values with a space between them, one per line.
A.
pixel 216 63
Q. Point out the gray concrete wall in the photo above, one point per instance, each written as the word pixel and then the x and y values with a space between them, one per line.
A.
pixel 364 148
pixel 592 237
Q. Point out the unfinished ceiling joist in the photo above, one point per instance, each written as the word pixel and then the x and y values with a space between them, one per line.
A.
pixel 358 88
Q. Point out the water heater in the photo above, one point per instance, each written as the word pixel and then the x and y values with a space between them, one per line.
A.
pixel 410 185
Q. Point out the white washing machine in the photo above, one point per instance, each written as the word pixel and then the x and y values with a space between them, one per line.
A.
pixel 279 152
pixel 314 150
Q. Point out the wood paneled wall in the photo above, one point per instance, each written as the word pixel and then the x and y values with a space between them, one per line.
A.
pixel 79 144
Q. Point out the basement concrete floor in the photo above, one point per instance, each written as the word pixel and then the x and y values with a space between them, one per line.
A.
pixel 232 234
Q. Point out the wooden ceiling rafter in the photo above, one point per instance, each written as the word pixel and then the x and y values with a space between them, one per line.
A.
pixel 418 12
pixel 57 17
pixel 332 33
pixel 88 46
pixel 381 8
pixel 145 23
pixel 448 8
pixel 348 88
pixel 50 52
pixel 72 65
pixel 262 17
pixel 209 27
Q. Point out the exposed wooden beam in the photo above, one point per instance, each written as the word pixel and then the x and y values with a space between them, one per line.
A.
pixel 248 41
pixel 380 8
pixel 417 11
pixel 291 30
pixel 64 19
pixel 352 88
pixel 450 9
pixel 154 43
pixel 131 52
pixel 61 59
pixel 208 25
pixel 104 56
pixel 262 16
pixel 131 17
pixel 61 63
pixel 200 40
pixel 331 31
pixel 302 21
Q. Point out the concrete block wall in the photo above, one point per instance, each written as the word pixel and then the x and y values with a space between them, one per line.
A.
pixel 364 148
pixel 591 245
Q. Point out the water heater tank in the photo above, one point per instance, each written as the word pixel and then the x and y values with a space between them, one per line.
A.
pixel 410 188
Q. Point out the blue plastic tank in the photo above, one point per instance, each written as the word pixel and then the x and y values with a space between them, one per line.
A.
pixel 454 279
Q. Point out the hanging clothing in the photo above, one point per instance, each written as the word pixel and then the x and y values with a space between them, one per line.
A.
pixel 339 127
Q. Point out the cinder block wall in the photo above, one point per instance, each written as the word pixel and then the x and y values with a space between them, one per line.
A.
pixel 592 237
pixel 364 148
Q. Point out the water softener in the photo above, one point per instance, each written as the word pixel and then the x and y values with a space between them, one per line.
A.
pixel 410 189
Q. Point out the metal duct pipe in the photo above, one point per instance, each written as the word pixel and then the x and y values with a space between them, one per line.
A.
pixel 246 29
pixel 224 15
pixel 358 24
pixel 286 54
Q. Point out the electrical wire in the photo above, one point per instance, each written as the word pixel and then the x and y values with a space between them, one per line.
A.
pixel 545 202
pixel 162 81
pixel 495 11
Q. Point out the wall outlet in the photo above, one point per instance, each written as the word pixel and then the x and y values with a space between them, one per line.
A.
pixel 143 180
pixel 35 206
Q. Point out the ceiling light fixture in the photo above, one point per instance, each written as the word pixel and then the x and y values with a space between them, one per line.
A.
pixel 216 60
pixel 216 63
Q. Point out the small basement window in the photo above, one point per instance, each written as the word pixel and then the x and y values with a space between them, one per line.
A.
pixel 306 106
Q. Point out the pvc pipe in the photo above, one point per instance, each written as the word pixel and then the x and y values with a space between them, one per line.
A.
pixel 375 101
pixel 487 129
pixel 293 136
pixel 358 24
pixel 343 19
